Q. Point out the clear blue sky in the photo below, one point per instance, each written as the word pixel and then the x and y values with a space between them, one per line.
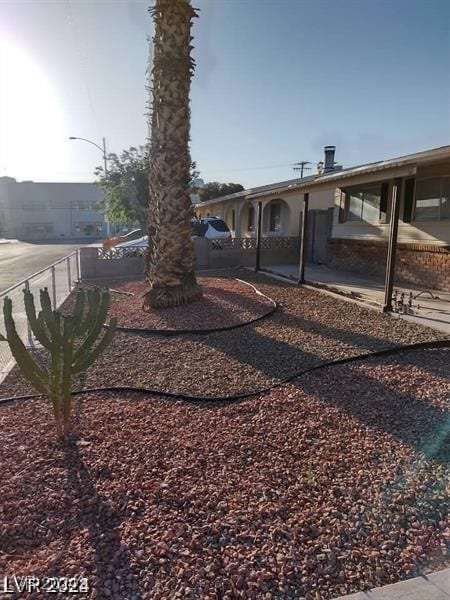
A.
pixel 275 82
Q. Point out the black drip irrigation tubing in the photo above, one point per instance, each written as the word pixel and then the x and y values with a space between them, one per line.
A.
pixel 175 332
pixel 180 396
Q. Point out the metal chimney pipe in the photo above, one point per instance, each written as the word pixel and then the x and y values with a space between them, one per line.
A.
pixel 329 158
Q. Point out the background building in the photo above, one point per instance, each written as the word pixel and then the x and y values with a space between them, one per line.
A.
pixel 50 211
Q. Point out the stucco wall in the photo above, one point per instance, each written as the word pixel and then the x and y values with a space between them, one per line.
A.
pixel 321 199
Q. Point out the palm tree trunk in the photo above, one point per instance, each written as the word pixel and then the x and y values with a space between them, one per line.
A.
pixel 171 255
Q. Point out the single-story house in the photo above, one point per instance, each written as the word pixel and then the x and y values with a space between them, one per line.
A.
pixel 350 215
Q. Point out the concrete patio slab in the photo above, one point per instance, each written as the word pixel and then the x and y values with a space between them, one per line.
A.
pixel 357 596
pixel 427 587
pixel 430 308
pixel 441 579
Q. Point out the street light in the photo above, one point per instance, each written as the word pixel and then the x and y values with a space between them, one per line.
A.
pixel 102 150
pixel 105 163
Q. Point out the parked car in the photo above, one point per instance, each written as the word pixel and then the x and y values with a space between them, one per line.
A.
pixel 212 228
pixel 138 243
pixel 135 234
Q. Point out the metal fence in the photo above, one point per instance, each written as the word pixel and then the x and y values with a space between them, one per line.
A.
pixel 59 278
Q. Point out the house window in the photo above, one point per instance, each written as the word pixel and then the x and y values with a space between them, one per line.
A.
pixel 432 199
pixel 366 203
pixel 275 217
pixel 251 218
pixel 233 220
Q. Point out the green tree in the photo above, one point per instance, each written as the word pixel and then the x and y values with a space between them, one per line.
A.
pixel 214 189
pixel 171 255
pixel 126 187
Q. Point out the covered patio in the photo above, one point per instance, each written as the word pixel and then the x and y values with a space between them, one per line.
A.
pixel 430 308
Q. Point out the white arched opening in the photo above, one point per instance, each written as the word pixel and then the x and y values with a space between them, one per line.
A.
pixel 248 219
pixel 276 217
pixel 230 218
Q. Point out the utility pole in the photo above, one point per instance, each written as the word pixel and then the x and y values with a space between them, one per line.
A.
pixel 301 166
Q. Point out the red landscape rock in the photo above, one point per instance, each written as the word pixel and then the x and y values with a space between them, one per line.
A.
pixel 331 484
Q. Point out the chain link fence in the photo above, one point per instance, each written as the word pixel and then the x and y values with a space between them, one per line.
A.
pixel 59 278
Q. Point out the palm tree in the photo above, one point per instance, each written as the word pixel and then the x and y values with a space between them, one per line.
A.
pixel 171 254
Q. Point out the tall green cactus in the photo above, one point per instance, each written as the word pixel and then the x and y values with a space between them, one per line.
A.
pixel 70 340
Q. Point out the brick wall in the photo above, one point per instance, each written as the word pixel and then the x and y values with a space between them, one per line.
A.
pixel 423 265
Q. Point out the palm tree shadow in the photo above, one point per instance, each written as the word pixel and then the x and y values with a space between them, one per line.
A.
pixel 276 352
pixel 221 302
pixel 408 417
pixel 111 555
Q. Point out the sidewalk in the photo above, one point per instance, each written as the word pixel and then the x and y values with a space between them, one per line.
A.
pixel 427 587
pixel 59 280
pixel 429 308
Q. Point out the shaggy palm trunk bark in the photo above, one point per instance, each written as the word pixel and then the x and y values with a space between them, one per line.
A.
pixel 171 253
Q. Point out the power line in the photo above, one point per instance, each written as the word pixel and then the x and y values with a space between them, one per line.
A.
pixel 248 168
pixel 302 167
pixel 81 60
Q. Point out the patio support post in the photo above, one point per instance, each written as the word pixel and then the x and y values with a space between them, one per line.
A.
pixel 237 220
pixel 258 237
pixel 392 247
pixel 301 267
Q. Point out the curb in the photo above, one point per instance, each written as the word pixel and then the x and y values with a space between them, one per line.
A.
pixel 434 586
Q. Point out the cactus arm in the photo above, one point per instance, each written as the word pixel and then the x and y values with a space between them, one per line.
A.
pixel 49 316
pixel 37 326
pixel 35 375
pixel 68 328
pixel 84 361
pixel 42 323
pixel 96 327
pixel 79 310
pixel 93 297
pixel 59 326
pixel 66 382
pixel 55 392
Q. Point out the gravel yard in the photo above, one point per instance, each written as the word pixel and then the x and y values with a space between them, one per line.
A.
pixel 310 491
pixel 308 328
pixel 333 483
pixel 225 303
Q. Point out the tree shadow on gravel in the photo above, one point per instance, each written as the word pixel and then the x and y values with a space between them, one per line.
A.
pixel 111 556
pixel 429 362
pixel 347 337
pixel 214 313
pixel 279 359
pixel 374 403
pixel 405 416
pixel 274 358
pixel 218 303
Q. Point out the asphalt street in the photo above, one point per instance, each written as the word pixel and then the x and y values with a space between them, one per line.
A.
pixel 18 259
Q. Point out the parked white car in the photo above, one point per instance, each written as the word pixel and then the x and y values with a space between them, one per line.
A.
pixel 212 228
